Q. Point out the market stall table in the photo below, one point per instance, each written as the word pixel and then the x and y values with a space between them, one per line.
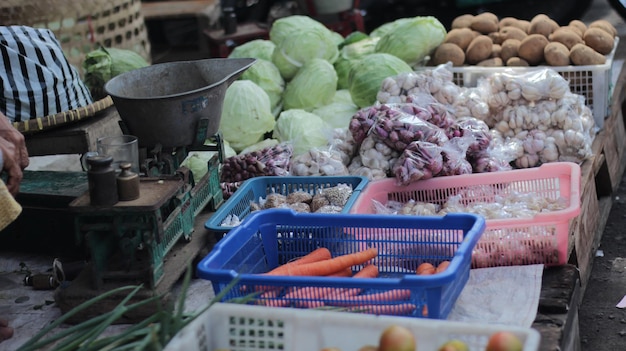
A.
pixel 562 286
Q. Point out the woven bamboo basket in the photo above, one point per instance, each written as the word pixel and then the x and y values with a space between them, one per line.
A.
pixel 83 25
pixel 40 124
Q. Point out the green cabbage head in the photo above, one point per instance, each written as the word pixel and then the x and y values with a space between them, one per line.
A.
pixel 337 114
pixel 313 86
pixel 266 75
pixel 261 49
pixel 303 129
pixel 367 75
pixel 340 110
pixel 413 40
pixel 302 46
pixel 284 27
pixel 350 53
pixel 388 27
pixel 246 114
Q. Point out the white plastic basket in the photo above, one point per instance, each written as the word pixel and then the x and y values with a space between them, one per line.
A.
pixel 593 82
pixel 237 327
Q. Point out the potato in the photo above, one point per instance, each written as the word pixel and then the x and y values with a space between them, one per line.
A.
pixel 542 24
pixel 448 52
pixel 531 48
pixel 490 16
pixel 459 36
pixel 484 23
pixel 517 62
pixel 605 25
pixel 509 49
pixel 578 24
pixel 496 49
pixel 478 50
pixel 491 62
pixel 556 54
pixel 462 21
pixel 599 40
pixel 508 21
pixel 574 29
pixel 523 25
pixel 496 38
pixel 512 33
pixel 582 55
pixel 566 37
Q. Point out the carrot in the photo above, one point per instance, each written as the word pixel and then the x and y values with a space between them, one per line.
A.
pixel 319 254
pixel 313 293
pixel 390 295
pixel 397 310
pixel 369 271
pixel 329 266
pixel 342 273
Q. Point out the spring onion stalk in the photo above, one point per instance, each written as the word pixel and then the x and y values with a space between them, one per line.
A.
pixel 151 334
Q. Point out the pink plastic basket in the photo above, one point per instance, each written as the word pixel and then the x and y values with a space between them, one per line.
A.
pixel 516 241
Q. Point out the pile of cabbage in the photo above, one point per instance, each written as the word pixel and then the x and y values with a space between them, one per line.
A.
pixel 317 104
pixel 308 80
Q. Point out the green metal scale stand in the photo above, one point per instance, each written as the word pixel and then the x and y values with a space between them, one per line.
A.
pixel 128 242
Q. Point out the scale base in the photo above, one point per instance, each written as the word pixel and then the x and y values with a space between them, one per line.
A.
pixel 175 264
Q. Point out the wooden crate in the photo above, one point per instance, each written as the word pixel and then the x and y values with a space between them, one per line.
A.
pixel 601 175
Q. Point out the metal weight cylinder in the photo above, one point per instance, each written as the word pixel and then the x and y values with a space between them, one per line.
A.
pixel 127 183
pixel 102 181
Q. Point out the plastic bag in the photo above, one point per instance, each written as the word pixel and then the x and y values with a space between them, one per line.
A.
pixel 398 129
pixel 318 162
pixel 420 160
pixel 271 161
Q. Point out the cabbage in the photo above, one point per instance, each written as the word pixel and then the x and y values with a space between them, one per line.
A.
pixel 228 150
pixel 102 64
pixel 303 129
pixel 259 49
pixel 413 40
pixel 353 38
pixel 360 48
pixel 337 114
pixel 284 27
pixel 343 96
pixel 342 67
pixel 368 73
pixel 198 163
pixel 302 46
pixel 337 38
pixel 388 27
pixel 313 86
pixel 265 74
pixel 350 53
pixel 340 110
pixel 246 114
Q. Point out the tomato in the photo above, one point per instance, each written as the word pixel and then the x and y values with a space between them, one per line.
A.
pixel 397 338
pixel 454 345
pixel 504 341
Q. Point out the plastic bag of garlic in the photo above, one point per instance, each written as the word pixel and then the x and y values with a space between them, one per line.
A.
pixel 534 107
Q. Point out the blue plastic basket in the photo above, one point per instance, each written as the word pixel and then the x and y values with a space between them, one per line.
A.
pixel 259 187
pixel 266 239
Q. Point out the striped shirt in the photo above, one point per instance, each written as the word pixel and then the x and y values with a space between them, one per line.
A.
pixel 35 77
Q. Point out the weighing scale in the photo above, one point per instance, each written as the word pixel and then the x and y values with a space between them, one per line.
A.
pixel 173 109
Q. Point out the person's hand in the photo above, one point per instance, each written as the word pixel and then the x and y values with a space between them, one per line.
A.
pixel 14 154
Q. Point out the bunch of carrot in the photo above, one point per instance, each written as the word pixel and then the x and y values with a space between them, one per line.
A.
pixel 320 263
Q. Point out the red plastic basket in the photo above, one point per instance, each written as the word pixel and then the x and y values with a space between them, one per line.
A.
pixel 516 241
